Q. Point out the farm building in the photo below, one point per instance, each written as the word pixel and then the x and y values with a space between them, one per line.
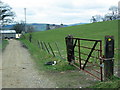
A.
pixel 53 26
pixel 7 34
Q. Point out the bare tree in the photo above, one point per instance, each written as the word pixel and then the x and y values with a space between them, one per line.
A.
pixel 93 19
pixel 108 17
pixel 114 10
pixel 114 14
pixel 6 14
pixel 96 18
pixel 30 28
pixel 19 27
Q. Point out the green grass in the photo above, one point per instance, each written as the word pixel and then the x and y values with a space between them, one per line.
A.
pixel 3 44
pixel 90 31
pixel 41 57
pixel 113 83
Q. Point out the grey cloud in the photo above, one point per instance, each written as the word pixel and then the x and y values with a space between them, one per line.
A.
pixel 31 12
pixel 66 11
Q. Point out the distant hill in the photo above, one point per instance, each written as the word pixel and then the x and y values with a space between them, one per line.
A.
pixel 37 26
pixel 77 24
pixel 8 26
pixel 40 26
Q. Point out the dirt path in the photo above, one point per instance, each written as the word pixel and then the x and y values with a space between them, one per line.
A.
pixel 18 70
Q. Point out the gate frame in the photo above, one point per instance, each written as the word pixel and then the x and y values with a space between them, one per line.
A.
pixel 70 53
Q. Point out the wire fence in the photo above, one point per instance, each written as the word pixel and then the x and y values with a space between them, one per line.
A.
pixel 52 48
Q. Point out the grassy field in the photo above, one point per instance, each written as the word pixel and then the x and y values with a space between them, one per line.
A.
pixel 3 44
pixel 90 31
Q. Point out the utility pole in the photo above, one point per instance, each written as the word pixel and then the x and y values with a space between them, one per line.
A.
pixel 25 19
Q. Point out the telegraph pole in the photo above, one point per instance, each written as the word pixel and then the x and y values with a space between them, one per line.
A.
pixel 25 18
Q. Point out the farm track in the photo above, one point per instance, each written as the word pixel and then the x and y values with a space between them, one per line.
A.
pixel 18 69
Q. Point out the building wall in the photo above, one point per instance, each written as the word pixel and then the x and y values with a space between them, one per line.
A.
pixel 8 35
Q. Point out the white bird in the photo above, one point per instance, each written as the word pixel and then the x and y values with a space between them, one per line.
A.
pixel 51 63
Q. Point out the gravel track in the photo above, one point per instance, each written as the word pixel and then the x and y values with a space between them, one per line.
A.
pixel 18 69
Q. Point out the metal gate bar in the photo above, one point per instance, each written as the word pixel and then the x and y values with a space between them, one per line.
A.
pixel 90 54
pixel 77 42
pixel 86 71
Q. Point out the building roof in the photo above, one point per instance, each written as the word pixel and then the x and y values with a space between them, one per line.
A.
pixel 7 31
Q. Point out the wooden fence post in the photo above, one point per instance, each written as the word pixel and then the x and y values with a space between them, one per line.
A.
pixel 30 37
pixel 58 49
pixel 51 50
pixel 109 57
pixel 42 47
pixel 38 44
pixel 46 47
pixel 70 49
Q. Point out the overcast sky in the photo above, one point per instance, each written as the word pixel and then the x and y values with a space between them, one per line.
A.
pixel 59 11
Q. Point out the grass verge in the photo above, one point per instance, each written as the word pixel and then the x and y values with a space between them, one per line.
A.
pixel 3 44
pixel 113 83
pixel 41 57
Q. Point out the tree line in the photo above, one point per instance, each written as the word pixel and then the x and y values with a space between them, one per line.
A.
pixel 112 15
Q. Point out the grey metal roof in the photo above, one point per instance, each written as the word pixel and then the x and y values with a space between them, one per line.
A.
pixel 7 31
